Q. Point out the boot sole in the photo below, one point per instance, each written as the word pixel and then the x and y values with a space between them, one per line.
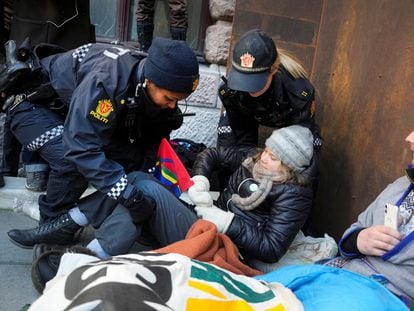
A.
pixel 18 244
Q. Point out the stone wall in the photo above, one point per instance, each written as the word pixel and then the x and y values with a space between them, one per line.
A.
pixel 205 102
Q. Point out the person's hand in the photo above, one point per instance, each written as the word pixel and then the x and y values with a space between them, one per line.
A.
pixel 217 216
pixel 201 182
pixel 198 193
pixel 377 240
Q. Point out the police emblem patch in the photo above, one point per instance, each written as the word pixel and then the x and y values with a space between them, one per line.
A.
pixel 102 110
pixel 104 107
pixel 247 60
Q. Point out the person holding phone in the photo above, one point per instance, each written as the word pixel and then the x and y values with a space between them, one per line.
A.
pixel 372 248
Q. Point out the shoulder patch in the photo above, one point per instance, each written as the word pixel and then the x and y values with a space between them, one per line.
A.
pixel 102 110
pixel 304 93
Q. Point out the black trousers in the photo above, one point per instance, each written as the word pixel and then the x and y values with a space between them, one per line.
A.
pixel 178 12
pixel 31 123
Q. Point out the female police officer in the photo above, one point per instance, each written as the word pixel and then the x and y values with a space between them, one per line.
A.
pixel 120 105
pixel 266 87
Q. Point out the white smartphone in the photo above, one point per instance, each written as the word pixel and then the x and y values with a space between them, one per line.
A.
pixel 391 216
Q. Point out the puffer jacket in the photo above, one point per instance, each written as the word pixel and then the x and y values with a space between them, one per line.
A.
pixel 266 232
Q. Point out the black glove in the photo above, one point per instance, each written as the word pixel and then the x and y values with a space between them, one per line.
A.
pixel 140 206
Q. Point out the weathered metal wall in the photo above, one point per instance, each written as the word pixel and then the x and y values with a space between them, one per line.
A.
pixel 361 58
pixel 364 73
pixel 293 24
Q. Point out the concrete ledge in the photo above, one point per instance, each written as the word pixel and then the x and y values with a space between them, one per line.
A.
pixel 14 196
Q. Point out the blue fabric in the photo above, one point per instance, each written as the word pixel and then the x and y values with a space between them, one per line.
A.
pixel 322 288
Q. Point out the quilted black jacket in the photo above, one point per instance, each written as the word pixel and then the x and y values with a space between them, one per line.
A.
pixel 266 232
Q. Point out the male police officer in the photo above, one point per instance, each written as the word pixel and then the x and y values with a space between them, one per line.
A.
pixel 120 105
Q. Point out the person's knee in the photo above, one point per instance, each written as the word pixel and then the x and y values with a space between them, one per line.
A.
pixel 123 242
pixel 136 176
pixel 144 182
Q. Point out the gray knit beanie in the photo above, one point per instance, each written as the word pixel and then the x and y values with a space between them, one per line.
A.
pixel 293 145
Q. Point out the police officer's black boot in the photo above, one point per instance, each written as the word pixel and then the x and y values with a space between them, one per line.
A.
pixel 178 33
pixel 60 230
pixel 144 32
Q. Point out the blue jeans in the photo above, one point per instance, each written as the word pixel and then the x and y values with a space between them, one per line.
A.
pixel 166 221
pixel 171 219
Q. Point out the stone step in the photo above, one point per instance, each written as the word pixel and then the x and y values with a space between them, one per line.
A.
pixel 15 196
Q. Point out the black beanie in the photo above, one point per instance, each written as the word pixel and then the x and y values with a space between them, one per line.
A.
pixel 172 65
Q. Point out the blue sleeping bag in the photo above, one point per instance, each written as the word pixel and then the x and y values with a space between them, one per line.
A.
pixel 322 288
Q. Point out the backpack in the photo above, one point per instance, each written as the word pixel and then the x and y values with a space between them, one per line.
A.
pixel 187 150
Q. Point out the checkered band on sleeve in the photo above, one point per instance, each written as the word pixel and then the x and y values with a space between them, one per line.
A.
pixel 224 129
pixel 317 142
pixel 81 52
pixel 44 138
pixel 120 186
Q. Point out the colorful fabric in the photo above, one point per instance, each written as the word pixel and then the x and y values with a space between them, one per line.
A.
pixel 323 288
pixel 170 171
pixel 151 281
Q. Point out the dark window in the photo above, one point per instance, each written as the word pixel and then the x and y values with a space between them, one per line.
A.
pixel 115 21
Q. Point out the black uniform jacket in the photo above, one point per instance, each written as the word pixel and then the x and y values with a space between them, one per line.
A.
pixel 288 101
pixel 97 82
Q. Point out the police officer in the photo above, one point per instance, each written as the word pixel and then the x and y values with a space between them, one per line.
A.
pixel 120 105
pixel 266 87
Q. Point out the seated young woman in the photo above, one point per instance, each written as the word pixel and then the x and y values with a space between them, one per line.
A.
pixel 264 206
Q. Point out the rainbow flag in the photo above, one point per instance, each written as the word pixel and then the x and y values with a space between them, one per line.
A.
pixel 170 171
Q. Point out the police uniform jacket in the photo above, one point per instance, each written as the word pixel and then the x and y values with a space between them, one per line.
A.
pixel 266 232
pixel 288 101
pixel 96 82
